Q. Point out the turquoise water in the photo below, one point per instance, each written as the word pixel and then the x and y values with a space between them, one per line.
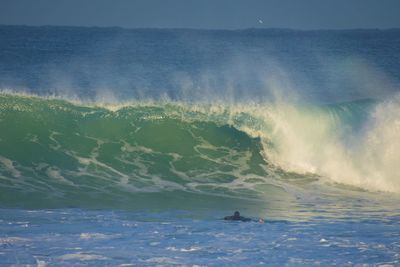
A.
pixel 127 147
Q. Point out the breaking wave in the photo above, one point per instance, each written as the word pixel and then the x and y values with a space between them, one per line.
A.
pixel 59 153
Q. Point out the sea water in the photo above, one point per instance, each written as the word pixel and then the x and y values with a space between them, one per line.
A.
pixel 127 147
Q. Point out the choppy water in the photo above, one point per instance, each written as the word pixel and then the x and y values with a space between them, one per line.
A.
pixel 123 147
pixel 101 238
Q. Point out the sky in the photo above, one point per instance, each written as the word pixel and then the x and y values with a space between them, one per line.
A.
pixel 205 14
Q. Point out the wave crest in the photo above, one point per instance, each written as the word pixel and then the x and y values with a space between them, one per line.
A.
pixel 121 155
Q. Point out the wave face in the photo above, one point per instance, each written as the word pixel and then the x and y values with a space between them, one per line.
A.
pixel 55 153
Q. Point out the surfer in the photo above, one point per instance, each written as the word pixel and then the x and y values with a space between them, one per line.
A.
pixel 236 217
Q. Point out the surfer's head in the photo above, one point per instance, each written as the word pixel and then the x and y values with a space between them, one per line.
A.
pixel 236 214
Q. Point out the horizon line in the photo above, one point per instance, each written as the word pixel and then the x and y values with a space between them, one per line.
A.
pixel 199 29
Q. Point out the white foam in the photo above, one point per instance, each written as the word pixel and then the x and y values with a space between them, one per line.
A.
pixel 307 142
pixel 12 240
pixel 54 173
pixel 9 165
pixel 189 249
pixel 40 263
pixel 82 256
pixel 162 260
pixel 88 236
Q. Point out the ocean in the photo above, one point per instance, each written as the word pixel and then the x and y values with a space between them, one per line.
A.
pixel 128 147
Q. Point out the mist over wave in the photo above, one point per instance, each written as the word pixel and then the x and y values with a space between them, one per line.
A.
pixel 110 64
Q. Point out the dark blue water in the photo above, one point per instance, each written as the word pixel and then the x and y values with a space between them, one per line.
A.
pixel 126 147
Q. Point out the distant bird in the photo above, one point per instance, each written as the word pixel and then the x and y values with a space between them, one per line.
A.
pixel 260 21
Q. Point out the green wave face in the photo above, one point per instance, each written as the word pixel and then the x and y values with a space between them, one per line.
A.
pixel 143 155
pixel 57 154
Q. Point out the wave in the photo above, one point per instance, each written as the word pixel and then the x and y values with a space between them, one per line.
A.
pixel 59 153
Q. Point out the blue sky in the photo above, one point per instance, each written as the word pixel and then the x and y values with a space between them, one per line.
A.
pixel 206 14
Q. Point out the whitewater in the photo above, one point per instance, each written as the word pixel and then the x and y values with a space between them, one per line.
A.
pixel 127 147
